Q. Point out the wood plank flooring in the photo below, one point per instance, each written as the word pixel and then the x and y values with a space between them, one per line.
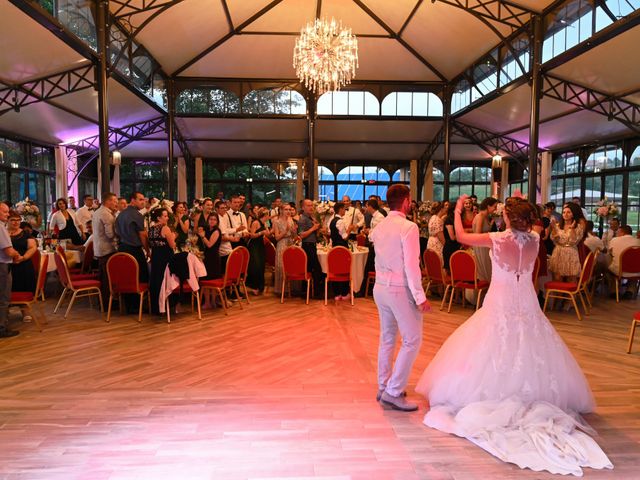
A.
pixel 271 391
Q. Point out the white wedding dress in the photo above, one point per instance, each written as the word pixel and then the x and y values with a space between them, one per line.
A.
pixel 505 379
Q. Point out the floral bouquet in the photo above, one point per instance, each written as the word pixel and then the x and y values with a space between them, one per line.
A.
pixel 197 206
pixel 323 210
pixel 606 208
pixel 29 211
pixel 162 203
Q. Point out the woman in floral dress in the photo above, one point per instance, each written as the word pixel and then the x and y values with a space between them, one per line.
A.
pixel 565 259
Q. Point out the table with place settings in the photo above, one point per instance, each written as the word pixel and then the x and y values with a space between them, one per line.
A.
pixel 76 256
pixel 358 262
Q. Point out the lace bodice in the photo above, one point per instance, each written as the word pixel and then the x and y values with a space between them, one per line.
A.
pixel 513 254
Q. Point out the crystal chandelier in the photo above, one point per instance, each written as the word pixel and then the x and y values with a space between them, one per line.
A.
pixel 325 56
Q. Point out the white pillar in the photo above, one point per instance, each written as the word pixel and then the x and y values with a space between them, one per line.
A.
pixel 182 180
pixel 62 172
pixel 413 179
pixel 115 181
pixel 505 181
pixel 545 176
pixel 427 189
pixel 198 186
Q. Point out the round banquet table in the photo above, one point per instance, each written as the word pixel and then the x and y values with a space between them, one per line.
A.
pixel 51 266
pixel 358 262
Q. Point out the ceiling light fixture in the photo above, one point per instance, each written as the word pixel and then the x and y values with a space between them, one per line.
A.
pixel 496 161
pixel 325 56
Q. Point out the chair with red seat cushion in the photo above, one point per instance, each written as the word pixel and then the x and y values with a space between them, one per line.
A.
pixel 243 274
pixel 26 299
pixel 434 272
pixel 38 263
pixel 464 275
pixel 338 269
pixel 270 259
pixel 371 279
pixel 195 298
pixel 634 323
pixel 122 274
pixel 80 288
pixel 628 267
pixel 569 290
pixel 87 259
pixel 231 278
pixel 294 267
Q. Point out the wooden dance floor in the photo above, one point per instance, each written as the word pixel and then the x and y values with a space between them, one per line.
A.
pixel 271 391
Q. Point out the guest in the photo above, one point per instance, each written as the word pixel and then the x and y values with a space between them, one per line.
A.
pixel 64 221
pixel 27 228
pixel 201 219
pixel 611 233
pixel 551 208
pixel 183 224
pixel 308 229
pixel 436 227
pixel 211 238
pixel 578 202
pixel 133 237
pixel 162 243
pixel 541 227
pixel 285 232
pixel 467 215
pixel 104 238
pixel 547 216
pixel 233 225
pixel 413 213
pixel 295 215
pixel 258 230
pixel 8 255
pixel 22 271
pixel 451 245
pixel 376 217
pixel 122 204
pixel 72 204
pixel 592 241
pixel 84 214
pixel 565 259
pixel 340 231
pixel 275 208
pixel 225 245
pixel 617 245
pixel 483 223
pixel 352 216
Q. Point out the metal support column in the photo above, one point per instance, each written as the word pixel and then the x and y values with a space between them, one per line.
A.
pixel 446 168
pixel 536 88
pixel 170 130
pixel 102 9
pixel 311 164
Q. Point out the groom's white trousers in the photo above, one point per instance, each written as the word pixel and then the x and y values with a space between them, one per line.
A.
pixel 398 313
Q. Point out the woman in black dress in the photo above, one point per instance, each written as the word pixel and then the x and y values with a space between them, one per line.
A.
pixel 450 243
pixel 64 222
pixel 211 236
pixel 257 231
pixel 162 243
pixel 182 224
pixel 201 220
pixel 22 273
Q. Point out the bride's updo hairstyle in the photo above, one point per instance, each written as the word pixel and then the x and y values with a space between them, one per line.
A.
pixel 522 214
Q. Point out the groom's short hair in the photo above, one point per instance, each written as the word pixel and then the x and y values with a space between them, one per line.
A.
pixel 396 195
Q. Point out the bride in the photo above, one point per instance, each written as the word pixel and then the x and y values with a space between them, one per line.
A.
pixel 505 379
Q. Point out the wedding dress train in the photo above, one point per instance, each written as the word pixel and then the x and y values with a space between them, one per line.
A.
pixel 505 379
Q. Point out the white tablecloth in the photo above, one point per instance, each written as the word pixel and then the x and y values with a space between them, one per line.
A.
pixel 51 266
pixel 358 262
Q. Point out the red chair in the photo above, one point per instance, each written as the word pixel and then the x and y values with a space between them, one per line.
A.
pixel 569 290
pixel 371 279
pixel 231 278
pixel 270 259
pixel 634 323
pixel 36 259
pixel 122 273
pixel 294 267
pixel 243 275
pixel 80 288
pixel 26 299
pixel 464 276
pixel 87 259
pixel 76 273
pixel 434 272
pixel 195 296
pixel 338 269
pixel 628 267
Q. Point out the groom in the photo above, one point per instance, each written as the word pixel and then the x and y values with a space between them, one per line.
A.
pixel 399 296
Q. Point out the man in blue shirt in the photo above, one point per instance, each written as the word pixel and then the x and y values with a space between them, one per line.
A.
pixel 132 234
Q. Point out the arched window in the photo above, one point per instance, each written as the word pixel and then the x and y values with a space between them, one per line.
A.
pixel 326 184
pixel 207 100
pixel 603 158
pixel 259 183
pixel 438 184
pixel 412 104
pixel 634 160
pixel 274 102
pixel 348 103
pixel 402 175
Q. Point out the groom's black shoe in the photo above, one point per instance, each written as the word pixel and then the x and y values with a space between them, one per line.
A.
pixel 381 391
pixel 398 403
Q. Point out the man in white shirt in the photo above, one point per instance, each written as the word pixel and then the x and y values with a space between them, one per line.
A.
pixel 233 226
pixel 275 208
pixel 399 296
pixel 85 213
pixel 617 245
pixel 352 216
pixel 375 217
pixel 104 237
pixel 614 225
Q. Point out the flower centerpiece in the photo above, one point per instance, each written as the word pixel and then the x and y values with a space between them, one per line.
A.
pixel 324 210
pixel 29 212
pixel 196 209
pixel 606 208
